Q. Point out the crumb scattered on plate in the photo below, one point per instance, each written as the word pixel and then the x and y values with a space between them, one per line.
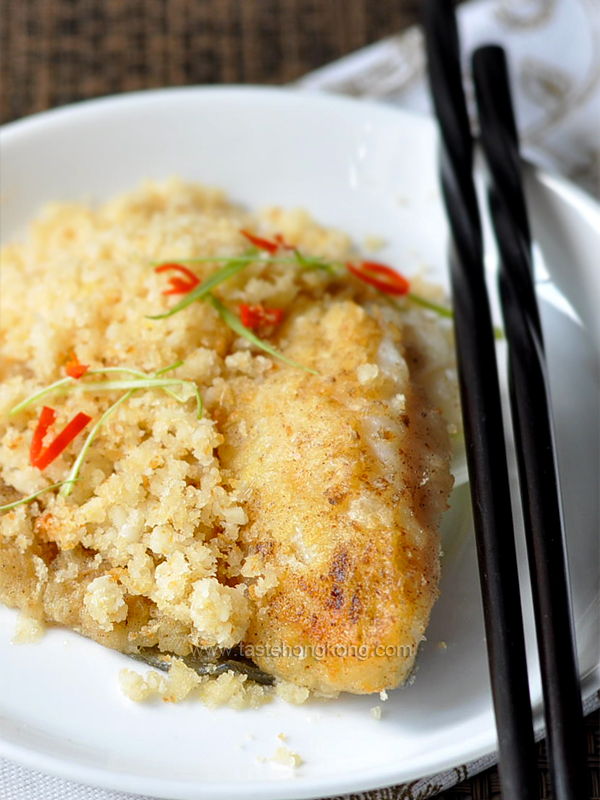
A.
pixel 28 630
pixel 286 757
pixel 374 243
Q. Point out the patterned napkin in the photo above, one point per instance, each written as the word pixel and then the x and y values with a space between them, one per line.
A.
pixel 554 53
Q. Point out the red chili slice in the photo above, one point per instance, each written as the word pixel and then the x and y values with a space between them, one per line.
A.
pixel 75 369
pixel 179 285
pixel 257 316
pixel 42 458
pixel 46 419
pixel 262 244
pixel 381 277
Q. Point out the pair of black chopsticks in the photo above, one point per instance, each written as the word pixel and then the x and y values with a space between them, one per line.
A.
pixel 531 420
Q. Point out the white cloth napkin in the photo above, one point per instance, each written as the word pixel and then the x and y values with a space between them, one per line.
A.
pixel 554 53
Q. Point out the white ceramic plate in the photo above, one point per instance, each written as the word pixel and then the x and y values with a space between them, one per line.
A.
pixel 369 170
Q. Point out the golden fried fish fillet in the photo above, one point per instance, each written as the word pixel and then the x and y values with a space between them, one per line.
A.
pixel 345 476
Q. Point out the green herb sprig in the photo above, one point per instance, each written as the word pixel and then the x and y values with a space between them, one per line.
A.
pixel 24 500
pixel 233 265
pixel 234 322
pixel 200 292
pixel 140 380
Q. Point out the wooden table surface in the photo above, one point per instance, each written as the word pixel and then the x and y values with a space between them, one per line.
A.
pixel 59 51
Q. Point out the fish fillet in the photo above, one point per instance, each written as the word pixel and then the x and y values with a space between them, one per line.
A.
pixel 345 476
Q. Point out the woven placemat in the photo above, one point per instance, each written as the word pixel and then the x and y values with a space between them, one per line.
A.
pixel 61 51
pixel 54 52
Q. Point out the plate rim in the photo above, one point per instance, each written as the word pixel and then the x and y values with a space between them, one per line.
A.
pixel 271 789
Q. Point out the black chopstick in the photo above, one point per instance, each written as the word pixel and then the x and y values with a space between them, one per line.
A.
pixel 532 424
pixel 482 414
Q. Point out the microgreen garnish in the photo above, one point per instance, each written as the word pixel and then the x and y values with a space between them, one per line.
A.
pixel 141 380
pixel 42 393
pixel 162 371
pixel 31 497
pixel 235 323
pixel 443 311
pixel 131 383
pixel 230 269
pixel 149 382
pixel 380 276
pixel 256 258
pixel 314 262
pixel 231 266
pixel 75 469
